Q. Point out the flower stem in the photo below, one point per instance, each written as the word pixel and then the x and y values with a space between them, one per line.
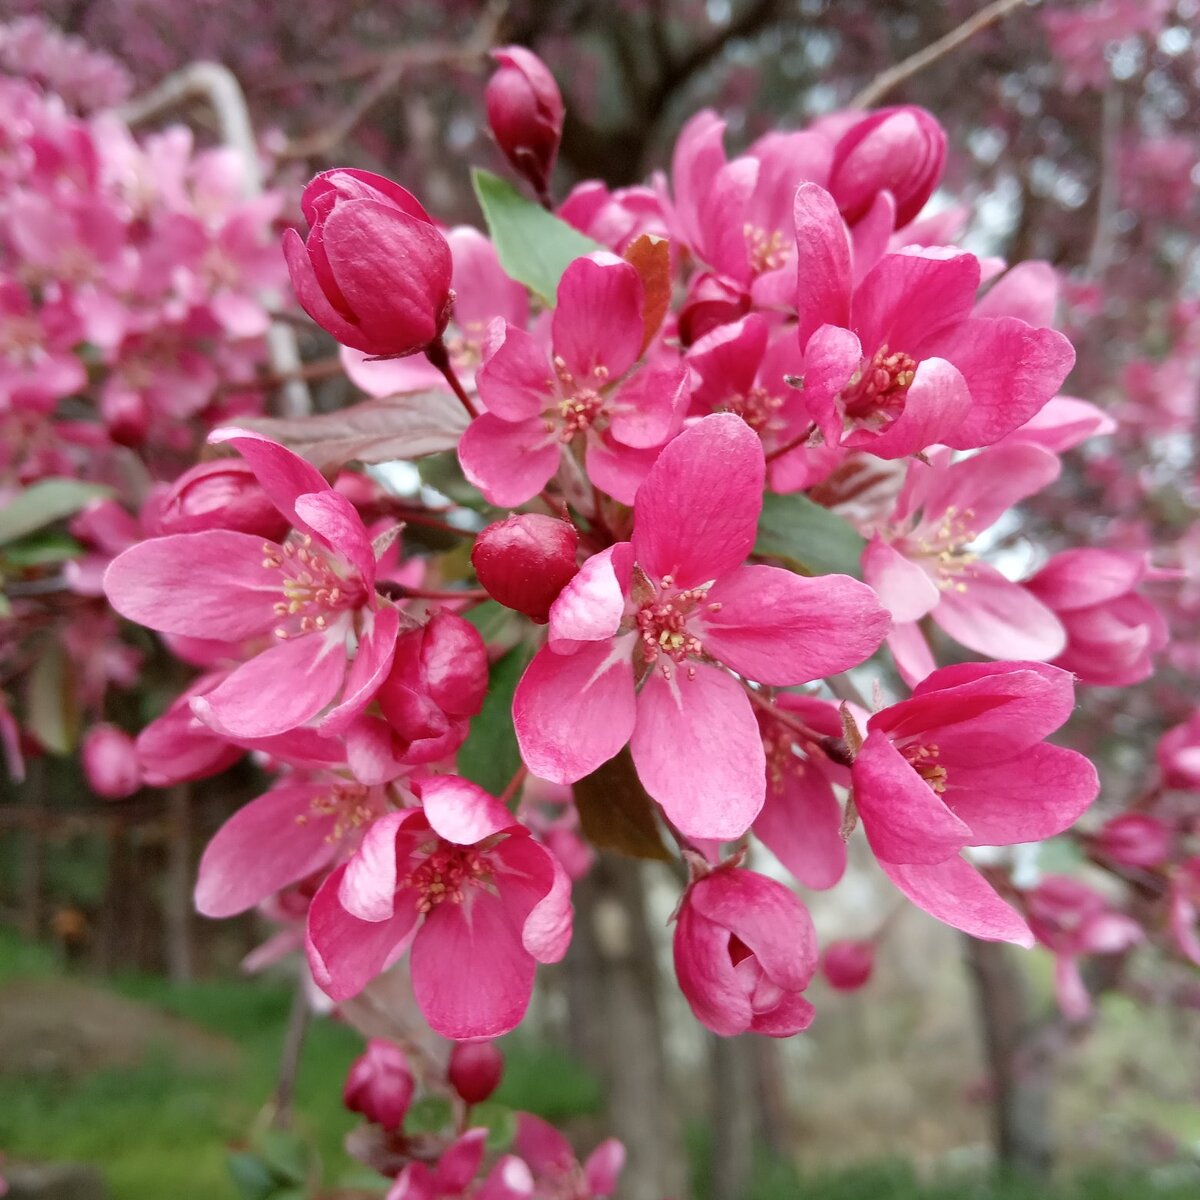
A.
pixel 438 355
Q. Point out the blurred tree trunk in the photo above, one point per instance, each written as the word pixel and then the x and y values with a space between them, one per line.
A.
pixel 33 881
pixel 1021 1083
pixel 733 1109
pixel 616 1027
pixel 177 900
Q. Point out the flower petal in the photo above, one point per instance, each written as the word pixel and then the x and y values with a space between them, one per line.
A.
pixel 515 381
pixel 598 328
pixel 509 462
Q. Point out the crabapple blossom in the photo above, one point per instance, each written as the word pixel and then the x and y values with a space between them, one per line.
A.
pixel 642 641
pixel 110 762
pixel 525 561
pixel 380 1084
pixel 1134 839
pixel 525 112
pixel 846 965
pixel 475 1070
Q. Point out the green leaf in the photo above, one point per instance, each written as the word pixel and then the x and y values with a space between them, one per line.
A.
pixel 534 246
pixel 430 1114
pixel 42 549
pixel 489 756
pixel 51 705
pixel 615 811
pixel 286 1153
pixel 499 1120
pixel 251 1176
pixel 42 503
pixel 810 539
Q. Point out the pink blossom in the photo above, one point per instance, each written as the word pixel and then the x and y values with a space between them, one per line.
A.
pixel 639 639
pixel 1113 634
pixel 538 406
pixel 558 1172
pixel 314 594
pixel 899 362
pixel 459 882
pixel 1134 839
pixel 525 561
pixel 963 763
pixel 1183 909
pixel 375 272
pixel 224 494
pixel 449 1179
pixel 614 218
pixel 1072 920
pixel 525 112
pixel 475 1070
pixel 920 563
pixel 1178 754
pixel 110 762
pixel 380 1084
pixel 847 966
pixel 898 150
pixel 745 950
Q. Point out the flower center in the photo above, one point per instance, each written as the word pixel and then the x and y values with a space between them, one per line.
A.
pixel 446 875
pixel 662 624
pixel 313 591
pixel 924 760
pixel 348 803
pixel 943 547
pixel 767 251
pixel 757 408
pixel 580 402
pixel 874 397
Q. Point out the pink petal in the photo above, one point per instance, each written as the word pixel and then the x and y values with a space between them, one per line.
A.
pixel 726 360
pixel 780 628
pixel 618 470
pixel 460 1163
pixel 275 840
pixel 832 356
pixel 573 712
pixel 871 234
pixel 910 652
pixel 368 886
pixel 648 408
pixel 598 319
pixel 491 997
pixel 956 894
pixel 461 812
pixel 536 889
pixel 515 381
pixel 284 476
pixel 211 584
pixel 376 648
pixel 905 588
pixel 542 1146
pixel 823 262
pixel 698 752
pixel 509 462
pixel 791 1015
pixel 1080 578
pixel 591 606
pixel 334 519
pixel 935 406
pixel 696 516
pixel 344 953
pixel 801 823
pixel 277 690
pixel 312 296
pixel 907 297
pixel 603 1168
pixel 903 817
pixel 1037 795
pixel 706 974
pixel 1028 291
pixel 998 618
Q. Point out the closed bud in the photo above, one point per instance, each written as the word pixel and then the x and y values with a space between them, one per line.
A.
pixel 110 762
pixel 220 495
pixel 375 271
pixel 900 150
pixel 525 111
pixel 525 560
pixel 475 1070
pixel 380 1085
pixel 1134 840
pixel 848 965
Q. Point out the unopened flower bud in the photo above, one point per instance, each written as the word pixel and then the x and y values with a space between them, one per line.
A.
pixel 524 561
pixel 848 965
pixel 375 271
pixel 380 1085
pixel 110 762
pixel 220 495
pixel 475 1070
pixel 1134 840
pixel 525 111
pixel 901 150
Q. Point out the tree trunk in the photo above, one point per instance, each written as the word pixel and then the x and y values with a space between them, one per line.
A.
pixel 1021 1090
pixel 177 900
pixel 732 1075
pixel 612 984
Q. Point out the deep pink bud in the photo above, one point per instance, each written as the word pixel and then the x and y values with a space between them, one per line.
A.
pixel 110 762
pixel 525 560
pixel 525 111
pixel 221 495
pixel 1134 840
pixel 901 150
pixel 745 950
pixel 375 271
pixel 475 1070
pixel 848 965
pixel 380 1085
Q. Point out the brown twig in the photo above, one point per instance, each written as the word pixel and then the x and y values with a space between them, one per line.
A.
pixel 387 72
pixel 915 63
